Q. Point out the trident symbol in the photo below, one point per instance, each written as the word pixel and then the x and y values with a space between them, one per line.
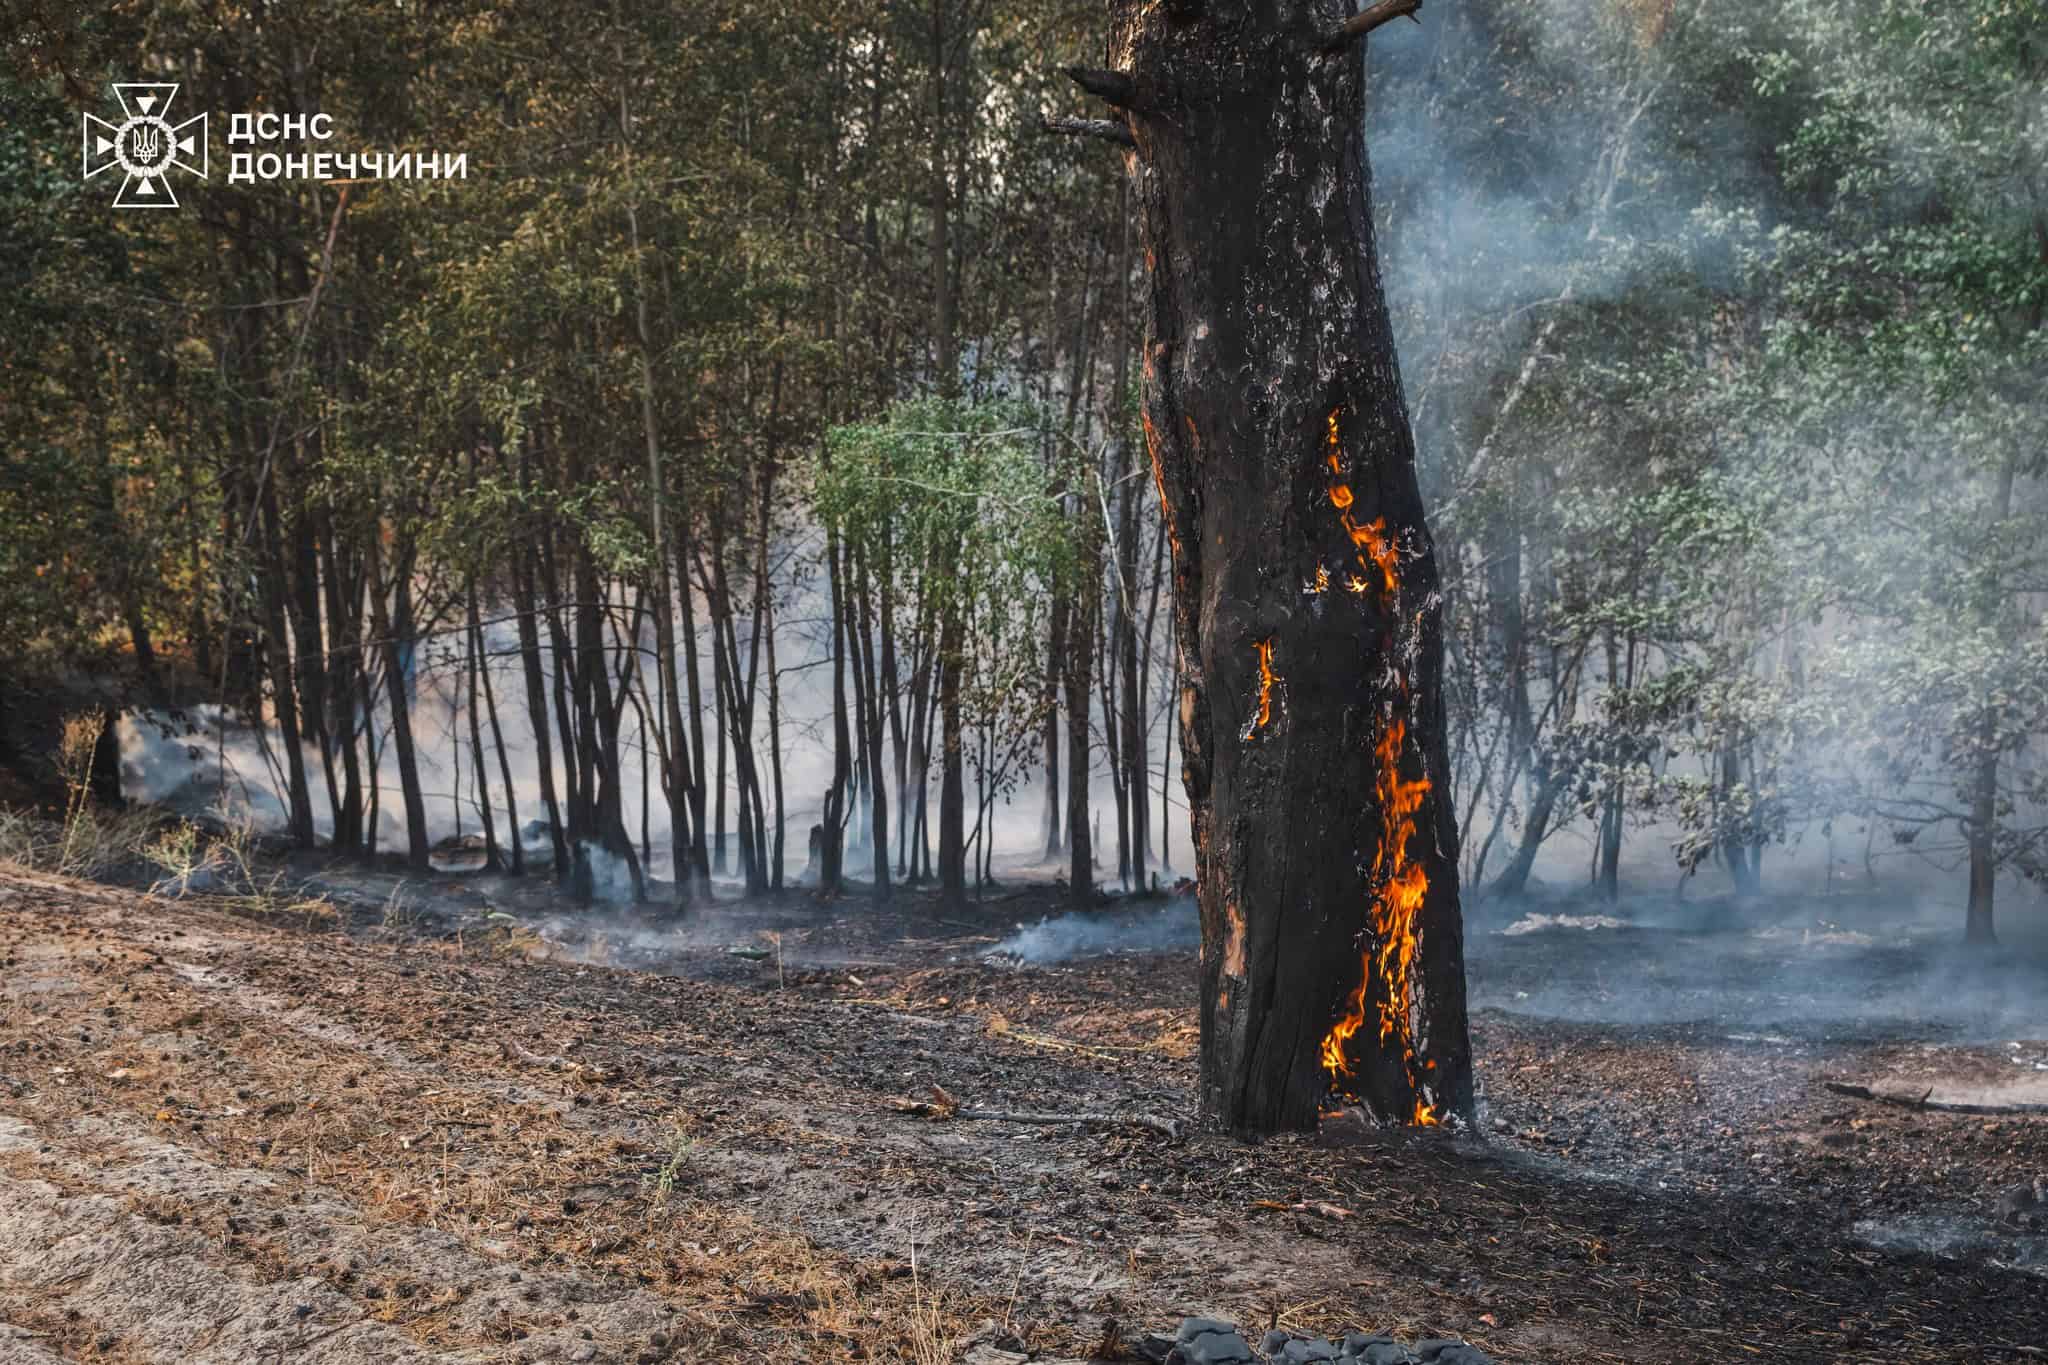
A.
pixel 146 146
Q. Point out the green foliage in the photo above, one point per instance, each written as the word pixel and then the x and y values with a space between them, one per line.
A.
pixel 1722 326
pixel 960 500
pixel 1757 547
pixel 962 486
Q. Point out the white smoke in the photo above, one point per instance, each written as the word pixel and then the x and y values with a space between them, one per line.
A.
pixel 1174 927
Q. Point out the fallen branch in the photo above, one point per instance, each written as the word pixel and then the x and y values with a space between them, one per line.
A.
pixel 917 1020
pixel 1169 1128
pixel 999 1027
pixel 944 1106
pixel 1314 1206
pixel 1864 1092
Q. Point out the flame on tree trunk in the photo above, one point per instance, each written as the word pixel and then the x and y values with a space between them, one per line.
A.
pixel 1312 728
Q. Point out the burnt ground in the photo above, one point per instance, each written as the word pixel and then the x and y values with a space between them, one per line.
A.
pixel 333 1136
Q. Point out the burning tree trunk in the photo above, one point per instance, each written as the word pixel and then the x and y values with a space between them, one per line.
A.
pixel 1305 589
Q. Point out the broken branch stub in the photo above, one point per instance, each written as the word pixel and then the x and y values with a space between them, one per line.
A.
pixel 1108 130
pixel 1368 19
pixel 1111 87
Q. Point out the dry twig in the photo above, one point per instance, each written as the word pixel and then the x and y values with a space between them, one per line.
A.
pixel 1314 1206
pixel 943 1106
pixel 1864 1092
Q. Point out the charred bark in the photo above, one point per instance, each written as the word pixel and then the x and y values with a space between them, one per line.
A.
pixel 103 769
pixel 1305 585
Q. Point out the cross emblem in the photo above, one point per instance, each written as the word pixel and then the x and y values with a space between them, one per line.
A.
pixel 146 145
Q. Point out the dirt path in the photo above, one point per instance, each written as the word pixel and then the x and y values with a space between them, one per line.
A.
pixel 226 1141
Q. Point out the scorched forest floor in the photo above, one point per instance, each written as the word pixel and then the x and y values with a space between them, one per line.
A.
pixel 338 1135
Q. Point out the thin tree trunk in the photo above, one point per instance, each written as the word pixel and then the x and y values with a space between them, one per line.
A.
pixel 719 685
pixel 872 717
pixel 1055 661
pixel 493 861
pixel 1535 827
pixel 1735 845
pixel 1079 662
pixel 700 859
pixel 832 820
pixel 892 693
pixel 345 670
pixel 675 751
pixel 1978 923
pixel 1135 764
pixel 1166 771
pixel 775 852
pixel 523 607
pixel 314 671
pixel 396 640
pixel 518 860
pixel 277 652
pixel 952 785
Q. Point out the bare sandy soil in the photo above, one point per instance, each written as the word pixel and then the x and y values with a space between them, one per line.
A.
pixel 224 1139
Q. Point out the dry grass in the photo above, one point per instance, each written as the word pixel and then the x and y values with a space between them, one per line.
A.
pixel 26 839
pixel 80 736
pixel 414 1130
pixel 932 1327
pixel 219 867
pixel 89 843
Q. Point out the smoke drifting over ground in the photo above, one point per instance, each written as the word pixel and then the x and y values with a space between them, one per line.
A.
pixel 1773 971
pixel 1175 927
pixel 202 762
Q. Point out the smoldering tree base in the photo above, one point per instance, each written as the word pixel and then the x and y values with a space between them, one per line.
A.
pixel 1305 586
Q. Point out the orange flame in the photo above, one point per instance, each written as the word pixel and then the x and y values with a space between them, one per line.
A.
pixel 1266 680
pixel 1399 885
pixel 1159 473
pixel 1379 546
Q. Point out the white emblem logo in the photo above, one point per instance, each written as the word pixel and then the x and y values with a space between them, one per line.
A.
pixel 145 145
